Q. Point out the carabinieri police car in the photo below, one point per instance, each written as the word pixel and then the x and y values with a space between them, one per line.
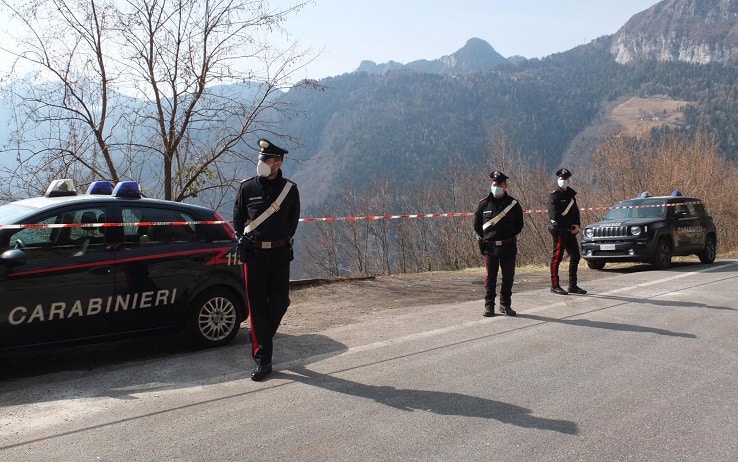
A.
pixel 651 230
pixel 110 262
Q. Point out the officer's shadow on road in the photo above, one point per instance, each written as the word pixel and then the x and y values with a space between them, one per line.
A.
pixel 437 402
pixel 664 303
pixel 608 325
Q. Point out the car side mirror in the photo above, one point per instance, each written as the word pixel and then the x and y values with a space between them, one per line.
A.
pixel 9 260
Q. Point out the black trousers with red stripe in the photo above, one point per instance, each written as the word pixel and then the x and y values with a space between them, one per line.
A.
pixel 267 287
pixel 564 241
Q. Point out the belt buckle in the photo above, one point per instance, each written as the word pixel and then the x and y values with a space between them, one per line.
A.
pixel 498 242
pixel 266 245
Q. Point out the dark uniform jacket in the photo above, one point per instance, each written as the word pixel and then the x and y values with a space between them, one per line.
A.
pixel 558 201
pixel 508 227
pixel 256 194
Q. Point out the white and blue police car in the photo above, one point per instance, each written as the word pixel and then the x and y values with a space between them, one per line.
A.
pixel 111 263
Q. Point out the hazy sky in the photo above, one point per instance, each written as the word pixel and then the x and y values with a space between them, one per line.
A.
pixel 345 32
pixel 349 31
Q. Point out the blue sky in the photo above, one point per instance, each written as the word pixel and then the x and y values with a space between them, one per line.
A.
pixel 349 31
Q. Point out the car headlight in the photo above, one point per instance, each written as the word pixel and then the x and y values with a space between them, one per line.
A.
pixel 588 232
pixel 635 230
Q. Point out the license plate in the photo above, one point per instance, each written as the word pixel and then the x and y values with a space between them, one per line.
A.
pixel 607 246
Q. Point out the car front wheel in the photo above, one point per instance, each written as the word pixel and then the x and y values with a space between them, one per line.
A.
pixel 662 256
pixel 214 318
pixel 708 253
pixel 597 265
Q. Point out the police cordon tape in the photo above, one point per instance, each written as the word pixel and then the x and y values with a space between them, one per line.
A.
pixel 308 220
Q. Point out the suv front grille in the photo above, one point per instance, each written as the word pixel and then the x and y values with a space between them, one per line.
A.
pixel 610 231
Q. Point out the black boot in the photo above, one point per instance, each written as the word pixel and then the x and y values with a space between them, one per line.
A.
pixel 575 289
pixel 558 290
pixel 489 311
pixel 261 371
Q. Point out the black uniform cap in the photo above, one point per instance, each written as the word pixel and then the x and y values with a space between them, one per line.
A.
pixel 498 177
pixel 563 173
pixel 267 149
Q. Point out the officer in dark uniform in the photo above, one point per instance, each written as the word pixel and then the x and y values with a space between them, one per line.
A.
pixel 497 222
pixel 565 223
pixel 265 215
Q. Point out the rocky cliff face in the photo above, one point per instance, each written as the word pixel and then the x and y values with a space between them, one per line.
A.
pixel 695 31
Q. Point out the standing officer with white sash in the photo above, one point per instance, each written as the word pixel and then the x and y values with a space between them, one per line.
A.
pixel 565 223
pixel 497 222
pixel 265 215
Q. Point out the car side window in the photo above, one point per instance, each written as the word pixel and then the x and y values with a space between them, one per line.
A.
pixel 154 226
pixel 680 210
pixel 692 210
pixel 46 240
pixel 699 209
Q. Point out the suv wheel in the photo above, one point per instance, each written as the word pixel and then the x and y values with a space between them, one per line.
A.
pixel 214 318
pixel 598 265
pixel 662 256
pixel 708 253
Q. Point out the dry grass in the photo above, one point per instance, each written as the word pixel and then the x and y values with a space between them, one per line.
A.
pixel 640 115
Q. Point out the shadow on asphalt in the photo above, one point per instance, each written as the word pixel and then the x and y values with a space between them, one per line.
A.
pixel 437 402
pixel 607 325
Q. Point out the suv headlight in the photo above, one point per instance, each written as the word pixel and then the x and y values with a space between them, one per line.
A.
pixel 635 230
pixel 588 232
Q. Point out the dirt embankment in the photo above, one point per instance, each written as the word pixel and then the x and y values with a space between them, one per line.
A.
pixel 321 304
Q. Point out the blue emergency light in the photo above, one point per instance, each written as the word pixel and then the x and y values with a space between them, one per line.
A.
pixel 101 187
pixel 127 189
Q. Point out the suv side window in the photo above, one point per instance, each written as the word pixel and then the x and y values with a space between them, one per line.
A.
pixel 692 210
pixel 139 233
pixel 680 210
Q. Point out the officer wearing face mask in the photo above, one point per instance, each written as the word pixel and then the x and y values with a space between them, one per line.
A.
pixel 497 221
pixel 565 223
pixel 265 215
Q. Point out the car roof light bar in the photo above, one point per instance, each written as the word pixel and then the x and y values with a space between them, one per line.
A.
pixel 59 188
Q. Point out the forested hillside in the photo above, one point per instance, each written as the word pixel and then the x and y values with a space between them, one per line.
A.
pixel 406 125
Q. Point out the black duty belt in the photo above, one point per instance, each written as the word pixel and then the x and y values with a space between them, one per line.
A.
pixel 500 242
pixel 270 244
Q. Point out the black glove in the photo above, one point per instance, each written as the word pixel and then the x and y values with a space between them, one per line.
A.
pixel 480 243
pixel 244 248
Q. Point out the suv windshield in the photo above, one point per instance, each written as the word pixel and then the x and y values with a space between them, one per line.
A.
pixel 637 208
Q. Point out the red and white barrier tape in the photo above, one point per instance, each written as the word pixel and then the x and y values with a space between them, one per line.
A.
pixel 306 220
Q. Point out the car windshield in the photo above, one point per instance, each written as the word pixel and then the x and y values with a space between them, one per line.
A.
pixel 10 213
pixel 637 208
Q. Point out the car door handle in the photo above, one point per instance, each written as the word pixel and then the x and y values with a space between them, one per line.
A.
pixel 105 269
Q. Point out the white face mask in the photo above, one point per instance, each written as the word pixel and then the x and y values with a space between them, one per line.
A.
pixel 563 184
pixel 263 169
pixel 497 191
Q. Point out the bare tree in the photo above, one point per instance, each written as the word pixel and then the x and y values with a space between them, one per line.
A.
pixel 146 89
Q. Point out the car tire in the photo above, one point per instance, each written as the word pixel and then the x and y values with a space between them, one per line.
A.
pixel 708 253
pixel 596 265
pixel 214 318
pixel 662 256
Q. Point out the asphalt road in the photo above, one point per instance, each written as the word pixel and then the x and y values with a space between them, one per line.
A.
pixel 644 368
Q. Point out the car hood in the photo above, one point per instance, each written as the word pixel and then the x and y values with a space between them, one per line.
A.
pixel 623 222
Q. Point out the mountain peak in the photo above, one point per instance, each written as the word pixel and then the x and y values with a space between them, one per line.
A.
pixel 696 31
pixel 475 56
